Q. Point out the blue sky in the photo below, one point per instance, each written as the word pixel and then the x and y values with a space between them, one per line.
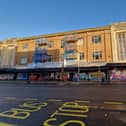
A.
pixel 22 18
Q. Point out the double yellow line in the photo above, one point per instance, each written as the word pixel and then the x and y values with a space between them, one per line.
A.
pixel 5 124
pixel 114 103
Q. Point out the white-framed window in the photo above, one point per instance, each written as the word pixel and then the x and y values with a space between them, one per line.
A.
pixel 96 39
pixel 97 55
pixel 82 56
pixel 121 45
pixel 25 46
pixel 23 60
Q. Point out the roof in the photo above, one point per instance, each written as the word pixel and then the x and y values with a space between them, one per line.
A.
pixel 67 32
pixel 60 33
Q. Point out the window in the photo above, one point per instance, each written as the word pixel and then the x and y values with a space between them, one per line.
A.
pixel 81 56
pixel 50 58
pixel 71 56
pixel 96 39
pixel 25 46
pixel 80 42
pixel 97 55
pixel 23 60
pixel 62 44
pixel 61 57
pixel 51 44
pixel 121 45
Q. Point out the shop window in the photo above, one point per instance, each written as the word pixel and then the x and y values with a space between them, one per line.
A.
pixel 97 55
pixel 23 60
pixel 81 56
pixel 96 39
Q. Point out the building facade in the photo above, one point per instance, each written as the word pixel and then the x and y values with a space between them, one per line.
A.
pixel 87 51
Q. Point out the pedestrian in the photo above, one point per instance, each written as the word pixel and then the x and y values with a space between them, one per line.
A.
pixel 102 80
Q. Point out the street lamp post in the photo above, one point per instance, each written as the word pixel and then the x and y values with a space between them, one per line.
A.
pixel 62 71
pixel 78 69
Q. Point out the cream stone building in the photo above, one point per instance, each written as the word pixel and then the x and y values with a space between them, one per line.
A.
pixel 88 51
pixel 118 40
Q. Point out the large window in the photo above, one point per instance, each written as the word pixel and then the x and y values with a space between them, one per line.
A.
pixel 122 45
pixel 51 44
pixel 96 39
pixel 97 55
pixel 50 58
pixel 23 60
pixel 81 56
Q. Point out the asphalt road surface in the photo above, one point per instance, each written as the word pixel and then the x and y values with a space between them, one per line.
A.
pixel 31 105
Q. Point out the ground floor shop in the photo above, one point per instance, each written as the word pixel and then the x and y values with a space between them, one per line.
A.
pixel 110 72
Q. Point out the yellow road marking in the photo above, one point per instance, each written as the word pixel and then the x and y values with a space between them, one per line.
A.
pixel 114 103
pixel 33 99
pixel 54 100
pixel 83 101
pixel 5 124
pixel 94 107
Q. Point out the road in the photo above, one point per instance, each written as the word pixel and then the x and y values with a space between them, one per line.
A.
pixel 74 105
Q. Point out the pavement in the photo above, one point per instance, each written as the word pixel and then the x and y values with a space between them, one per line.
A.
pixel 62 82
pixel 83 105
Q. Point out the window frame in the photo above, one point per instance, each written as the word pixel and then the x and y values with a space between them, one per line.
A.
pixel 81 55
pixel 25 46
pixel 51 44
pixel 96 39
pixel 97 55
pixel 24 59
pixel 62 44
pixel 61 57
pixel 50 57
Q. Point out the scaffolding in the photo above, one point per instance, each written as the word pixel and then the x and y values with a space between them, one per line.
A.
pixel 41 51
pixel 70 50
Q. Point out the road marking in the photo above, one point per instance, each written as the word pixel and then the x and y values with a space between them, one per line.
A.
pixel 5 124
pixel 29 99
pixel 67 110
pixel 114 103
pixel 93 107
pixel 54 100
pixel 83 101
pixel 23 111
